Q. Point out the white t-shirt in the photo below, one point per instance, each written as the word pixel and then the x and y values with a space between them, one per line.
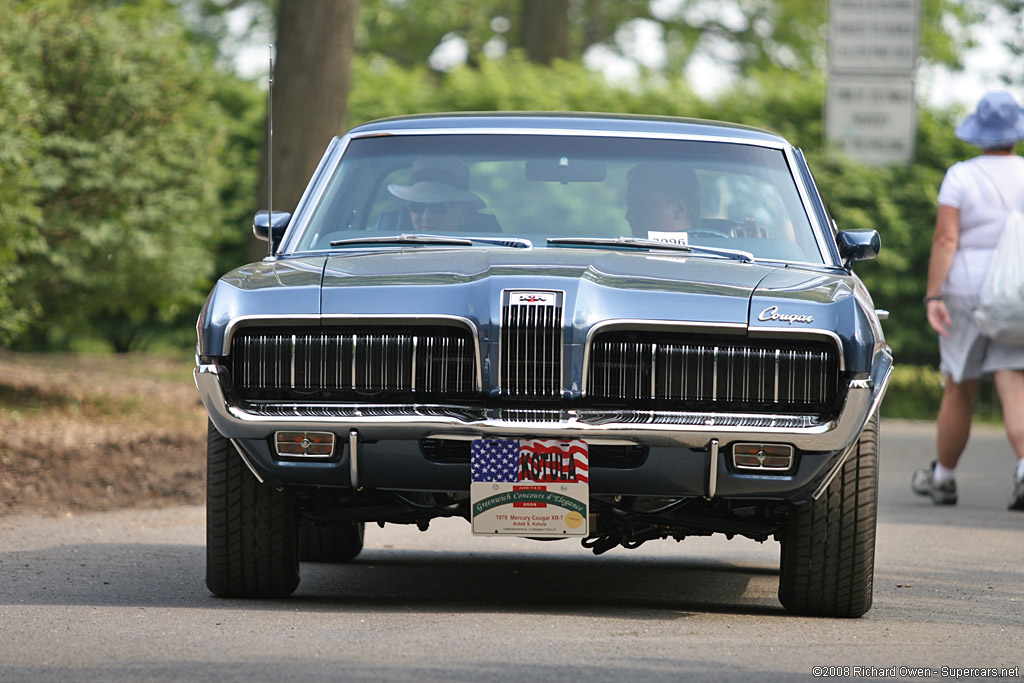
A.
pixel 970 186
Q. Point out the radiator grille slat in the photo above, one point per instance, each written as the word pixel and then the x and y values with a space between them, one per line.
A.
pixel 700 374
pixel 531 346
pixel 343 364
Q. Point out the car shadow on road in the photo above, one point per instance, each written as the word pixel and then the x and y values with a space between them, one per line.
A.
pixel 650 587
pixel 414 581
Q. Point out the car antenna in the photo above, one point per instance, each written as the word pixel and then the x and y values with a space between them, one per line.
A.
pixel 270 154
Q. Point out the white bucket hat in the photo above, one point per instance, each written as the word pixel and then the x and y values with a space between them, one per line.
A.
pixel 998 122
pixel 436 180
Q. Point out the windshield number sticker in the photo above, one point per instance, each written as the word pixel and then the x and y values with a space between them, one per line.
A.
pixel 680 238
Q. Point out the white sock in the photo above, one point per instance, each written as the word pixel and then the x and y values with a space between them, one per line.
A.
pixel 1020 469
pixel 941 474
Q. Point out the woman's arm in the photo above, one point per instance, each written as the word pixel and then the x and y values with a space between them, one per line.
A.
pixel 944 243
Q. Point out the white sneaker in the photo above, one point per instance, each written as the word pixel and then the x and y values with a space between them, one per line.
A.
pixel 923 484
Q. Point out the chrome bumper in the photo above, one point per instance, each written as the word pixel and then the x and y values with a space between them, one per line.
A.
pixel 653 429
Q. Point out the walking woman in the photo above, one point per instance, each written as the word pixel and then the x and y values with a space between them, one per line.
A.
pixel 975 197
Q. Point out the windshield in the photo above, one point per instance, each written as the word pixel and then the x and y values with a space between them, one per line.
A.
pixel 534 188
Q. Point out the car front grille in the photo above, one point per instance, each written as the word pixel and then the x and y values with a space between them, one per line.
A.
pixel 422 364
pixel 628 373
pixel 531 346
pixel 668 372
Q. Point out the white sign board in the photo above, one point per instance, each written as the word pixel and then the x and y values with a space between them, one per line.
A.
pixel 876 36
pixel 871 118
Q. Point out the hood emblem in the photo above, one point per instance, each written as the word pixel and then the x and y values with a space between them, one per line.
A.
pixel 532 298
pixel 772 314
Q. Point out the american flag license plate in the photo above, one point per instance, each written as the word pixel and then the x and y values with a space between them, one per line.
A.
pixel 530 487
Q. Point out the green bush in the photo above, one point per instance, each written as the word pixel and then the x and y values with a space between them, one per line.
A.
pixel 915 392
pixel 125 153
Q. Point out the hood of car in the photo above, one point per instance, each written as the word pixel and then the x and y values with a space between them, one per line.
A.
pixel 596 285
pixel 645 270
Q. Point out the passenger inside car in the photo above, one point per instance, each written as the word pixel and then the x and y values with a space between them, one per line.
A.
pixel 661 198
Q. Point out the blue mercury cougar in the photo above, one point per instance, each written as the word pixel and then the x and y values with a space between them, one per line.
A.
pixel 610 328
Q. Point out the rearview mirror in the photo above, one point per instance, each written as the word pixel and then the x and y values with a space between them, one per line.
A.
pixel 564 170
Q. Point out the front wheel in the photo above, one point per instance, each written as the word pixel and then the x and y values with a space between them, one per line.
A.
pixel 828 549
pixel 252 530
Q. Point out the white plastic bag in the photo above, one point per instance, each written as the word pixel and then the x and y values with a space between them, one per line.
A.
pixel 1000 313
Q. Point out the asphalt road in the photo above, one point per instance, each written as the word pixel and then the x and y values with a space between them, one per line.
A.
pixel 120 597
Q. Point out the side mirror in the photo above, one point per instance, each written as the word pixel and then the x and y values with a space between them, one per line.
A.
pixel 270 227
pixel 858 245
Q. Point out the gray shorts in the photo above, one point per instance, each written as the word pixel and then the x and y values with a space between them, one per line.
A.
pixel 966 353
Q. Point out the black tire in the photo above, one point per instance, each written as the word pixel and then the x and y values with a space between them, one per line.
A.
pixel 828 549
pixel 252 530
pixel 336 544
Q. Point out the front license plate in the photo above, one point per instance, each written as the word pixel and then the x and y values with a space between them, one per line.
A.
pixel 529 487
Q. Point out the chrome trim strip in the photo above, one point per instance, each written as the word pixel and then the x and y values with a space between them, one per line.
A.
pixel 883 386
pixel 805 198
pixel 293 362
pixel 580 132
pixel 654 371
pixel 714 375
pixel 314 191
pixel 809 333
pixel 415 348
pixel 713 470
pixel 353 458
pixel 861 385
pixel 456 436
pixel 778 352
pixel 269 320
pixel 241 454
pixel 832 435
pixel 840 461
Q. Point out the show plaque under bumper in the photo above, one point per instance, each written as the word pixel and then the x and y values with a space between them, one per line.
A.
pixel 529 487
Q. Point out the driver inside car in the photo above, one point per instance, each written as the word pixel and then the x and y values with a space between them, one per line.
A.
pixel 438 200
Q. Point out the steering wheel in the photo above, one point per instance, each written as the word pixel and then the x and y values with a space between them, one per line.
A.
pixel 706 232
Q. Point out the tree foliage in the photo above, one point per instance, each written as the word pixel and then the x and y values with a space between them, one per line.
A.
pixel 119 153
pixel 748 35
pixel 19 191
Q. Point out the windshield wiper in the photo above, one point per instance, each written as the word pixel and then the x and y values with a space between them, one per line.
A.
pixel 514 242
pixel 444 240
pixel 405 239
pixel 640 243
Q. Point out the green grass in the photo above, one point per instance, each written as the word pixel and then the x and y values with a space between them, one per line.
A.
pixel 36 401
